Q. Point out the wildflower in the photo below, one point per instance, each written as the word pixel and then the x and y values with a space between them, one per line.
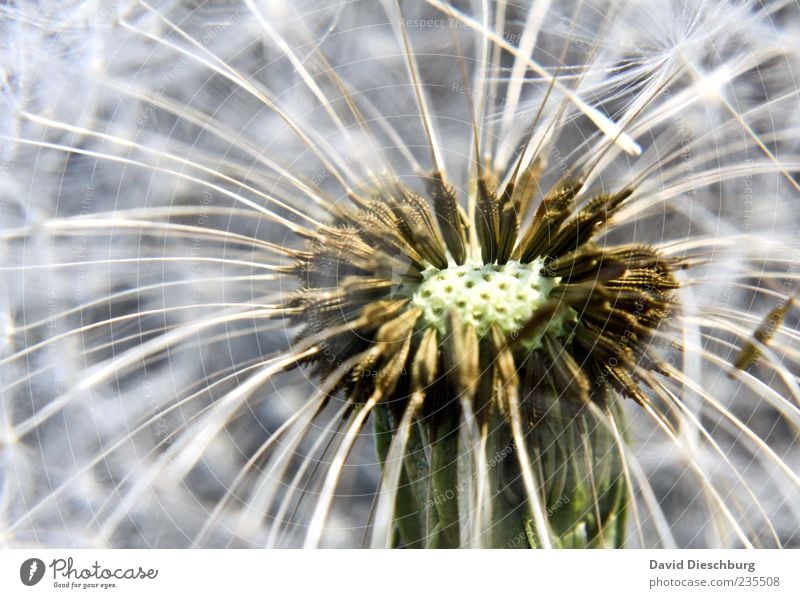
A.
pixel 543 258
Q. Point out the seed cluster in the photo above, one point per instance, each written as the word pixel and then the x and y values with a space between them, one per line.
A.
pixel 483 295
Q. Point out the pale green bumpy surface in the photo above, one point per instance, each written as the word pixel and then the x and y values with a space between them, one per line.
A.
pixel 483 294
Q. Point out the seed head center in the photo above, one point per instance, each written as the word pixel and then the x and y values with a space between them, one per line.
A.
pixel 483 294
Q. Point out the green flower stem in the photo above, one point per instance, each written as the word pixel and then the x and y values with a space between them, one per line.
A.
pixel 409 512
pixel 584 483
pixel 575 458
pixel 445 486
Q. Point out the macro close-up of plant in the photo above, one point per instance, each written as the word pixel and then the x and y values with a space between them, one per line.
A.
pixel 400 274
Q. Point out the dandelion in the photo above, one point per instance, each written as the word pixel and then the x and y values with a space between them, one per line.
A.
pixel 399 274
